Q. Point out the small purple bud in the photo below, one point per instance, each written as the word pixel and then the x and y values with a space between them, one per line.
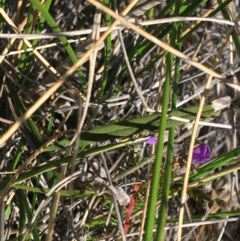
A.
pixel 152 140
pixel 201 153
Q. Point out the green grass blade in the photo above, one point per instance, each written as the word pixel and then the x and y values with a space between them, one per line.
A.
pixel 17 156
pixel 28 212
pixel 22 217
pixel 167 177
pixel 154 189
pixel 24 62
pixel 41 22
pixel 64 193
pixel 235 35
pixel 29 124
pixel 52 23
pixel 212 14
pixel 108 47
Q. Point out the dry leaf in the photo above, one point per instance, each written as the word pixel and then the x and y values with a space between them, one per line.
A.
pixel 221 103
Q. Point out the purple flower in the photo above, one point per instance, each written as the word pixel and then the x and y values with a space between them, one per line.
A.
pixel 152 140
pixel 201 153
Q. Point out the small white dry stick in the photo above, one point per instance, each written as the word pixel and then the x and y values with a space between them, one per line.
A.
pixel 103 29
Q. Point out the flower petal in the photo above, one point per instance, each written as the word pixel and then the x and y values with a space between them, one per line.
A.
pixel 201 153
pixel 152 140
